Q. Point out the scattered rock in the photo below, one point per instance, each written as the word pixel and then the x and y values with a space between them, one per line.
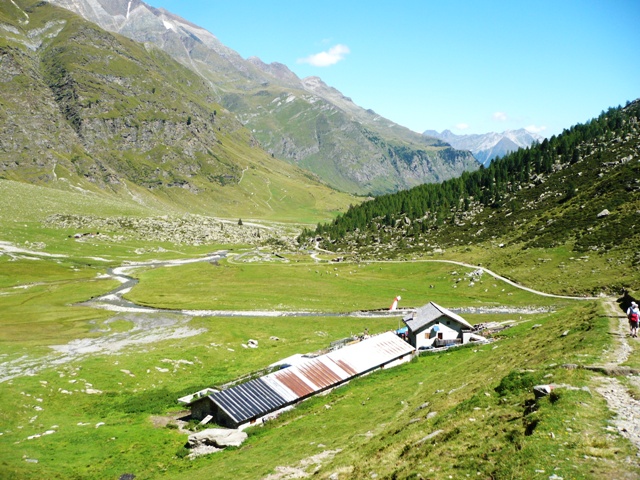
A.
pixel 183 230
pixel 569 366
pixel 217 437
pixel 429 437
pixel 542 390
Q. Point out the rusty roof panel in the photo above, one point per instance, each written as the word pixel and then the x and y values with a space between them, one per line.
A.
pixel 319 374
pixel 346 367
pixel 280 388
pixel 294 382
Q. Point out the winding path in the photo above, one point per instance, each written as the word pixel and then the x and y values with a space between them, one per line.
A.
pixel 514 284
pixel 467 265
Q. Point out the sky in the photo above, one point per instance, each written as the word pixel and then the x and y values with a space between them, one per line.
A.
pixel 467 66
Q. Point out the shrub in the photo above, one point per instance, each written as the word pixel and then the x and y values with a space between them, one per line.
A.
pixel 516 381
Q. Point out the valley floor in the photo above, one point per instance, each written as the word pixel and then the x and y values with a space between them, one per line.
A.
pixel 183 350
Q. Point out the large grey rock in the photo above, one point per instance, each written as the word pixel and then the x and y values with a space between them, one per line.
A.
pixel 542 390
pixel 217 437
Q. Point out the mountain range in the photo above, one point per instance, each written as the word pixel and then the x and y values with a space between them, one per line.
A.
pixel 302 121
pixel 86 110
pixel 488 146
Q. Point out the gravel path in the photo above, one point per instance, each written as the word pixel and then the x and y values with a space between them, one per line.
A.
pixel 626 408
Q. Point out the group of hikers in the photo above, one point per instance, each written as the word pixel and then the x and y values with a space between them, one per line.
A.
pixel 633 314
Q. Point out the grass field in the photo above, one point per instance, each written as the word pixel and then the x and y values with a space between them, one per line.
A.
pixel 307 286
pixel 90 393
pixel 110 414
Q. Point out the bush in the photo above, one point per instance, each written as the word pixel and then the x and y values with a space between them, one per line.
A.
pixel 516 381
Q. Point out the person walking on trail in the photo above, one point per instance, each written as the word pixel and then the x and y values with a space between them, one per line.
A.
pixel 633 314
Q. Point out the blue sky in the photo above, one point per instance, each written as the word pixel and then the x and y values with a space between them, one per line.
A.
pixel 467 66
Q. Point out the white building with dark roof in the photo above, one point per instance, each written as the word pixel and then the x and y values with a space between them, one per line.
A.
pixel 435 326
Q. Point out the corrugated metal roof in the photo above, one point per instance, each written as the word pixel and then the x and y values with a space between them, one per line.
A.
pixel 278 389
pixel 248 400
pixel 429 313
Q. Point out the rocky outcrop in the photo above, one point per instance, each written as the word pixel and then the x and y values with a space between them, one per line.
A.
pixel 184 230
pixel 214 440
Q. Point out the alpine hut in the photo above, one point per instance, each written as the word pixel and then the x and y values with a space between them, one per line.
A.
pixel 433 326
pixel 260 398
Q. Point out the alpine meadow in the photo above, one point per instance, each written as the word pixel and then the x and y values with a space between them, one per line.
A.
pixel 211 268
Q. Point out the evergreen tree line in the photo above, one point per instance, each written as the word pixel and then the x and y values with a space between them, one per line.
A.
pixel 434 204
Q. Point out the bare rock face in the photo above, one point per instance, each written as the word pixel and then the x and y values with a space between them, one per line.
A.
pixel 217 437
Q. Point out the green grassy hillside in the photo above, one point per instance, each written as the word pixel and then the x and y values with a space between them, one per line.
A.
pixel 87 110
pixel 304 122
pixel 91 393
pixel 535 214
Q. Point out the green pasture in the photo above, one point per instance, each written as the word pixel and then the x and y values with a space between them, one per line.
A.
pixel 324 287
pixel 136 386
pixel 479 397
pixel 557 270
pixel 36 301
pixel 103 413
pixel 374 421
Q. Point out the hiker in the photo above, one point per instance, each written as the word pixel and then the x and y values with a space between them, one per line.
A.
pixel 633 314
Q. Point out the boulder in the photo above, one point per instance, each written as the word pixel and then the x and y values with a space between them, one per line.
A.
pixel 603 213
pixel 217 437
pixel 542 390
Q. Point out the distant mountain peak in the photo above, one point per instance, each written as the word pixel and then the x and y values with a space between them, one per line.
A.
pixel 488 146
pixel 277 69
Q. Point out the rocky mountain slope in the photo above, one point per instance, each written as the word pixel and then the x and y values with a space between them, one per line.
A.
pixel 488 146
pixel 85 109
pixel 304 121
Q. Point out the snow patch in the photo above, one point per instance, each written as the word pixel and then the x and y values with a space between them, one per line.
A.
pixel 169 25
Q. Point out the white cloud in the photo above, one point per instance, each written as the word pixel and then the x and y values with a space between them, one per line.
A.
pixel 462 126
pixel 328 57
pixel 500 116
pixel 535 129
